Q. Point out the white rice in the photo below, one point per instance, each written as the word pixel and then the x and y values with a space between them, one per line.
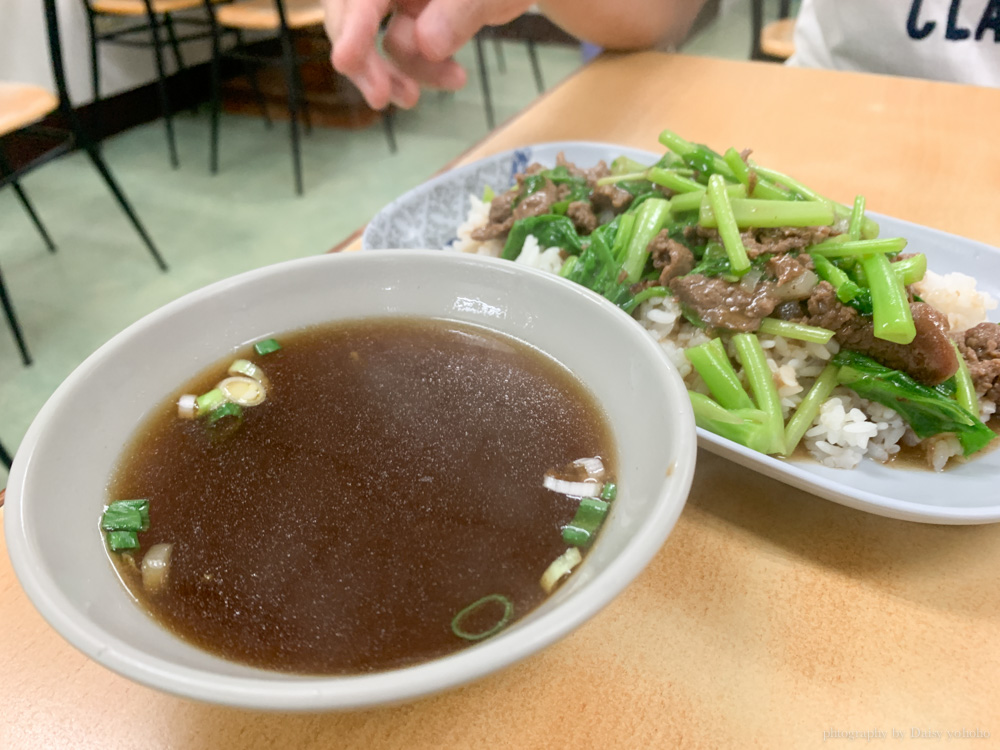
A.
pixel 848 428
pixel 478 216
pixel 955 295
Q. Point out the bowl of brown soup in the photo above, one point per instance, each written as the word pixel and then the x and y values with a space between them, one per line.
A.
pixel 349 480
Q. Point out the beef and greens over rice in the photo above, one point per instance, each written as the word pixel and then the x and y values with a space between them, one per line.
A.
pixel 796 327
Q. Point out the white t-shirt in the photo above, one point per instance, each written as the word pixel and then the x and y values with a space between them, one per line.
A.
pixel 945 40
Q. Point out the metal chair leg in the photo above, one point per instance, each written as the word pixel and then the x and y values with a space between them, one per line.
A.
pixel 15 327
pixel 303 101
pixel 168 121
pixel 536 66
pixel 35 219
pixel 6 169
pixel 102 168
pixel 168 24
pixel 289 63
pixel 216 103
pixel 498 50
pixel 484 81
pixel 388 123
pixel 251 72
pixel 95 73
pixel 5 458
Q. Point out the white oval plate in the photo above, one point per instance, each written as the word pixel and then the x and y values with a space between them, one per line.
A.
pixel 428 216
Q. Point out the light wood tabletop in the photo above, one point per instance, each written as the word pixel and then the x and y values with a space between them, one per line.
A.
pixel 770 618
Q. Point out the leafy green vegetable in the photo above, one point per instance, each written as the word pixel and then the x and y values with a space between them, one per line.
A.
pixel 597 269
pixel 714 261
pixel 531 184
pixel 561 175
pixel 926 410
pixel 576 193
pixel 549 229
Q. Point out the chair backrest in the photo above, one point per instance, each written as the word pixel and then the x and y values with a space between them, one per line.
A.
pixel 757 24
pixel 56 55
pixel 211 5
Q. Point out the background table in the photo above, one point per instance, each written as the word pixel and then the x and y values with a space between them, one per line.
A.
pixel 770 617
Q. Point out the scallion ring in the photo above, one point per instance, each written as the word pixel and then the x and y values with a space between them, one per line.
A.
pixel 508 612
pixel 209 402
pixel 561 567
pixel 187 406
pixel 243 390
pixel 248 368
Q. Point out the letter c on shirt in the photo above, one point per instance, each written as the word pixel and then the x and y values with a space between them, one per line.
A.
pixel 911 23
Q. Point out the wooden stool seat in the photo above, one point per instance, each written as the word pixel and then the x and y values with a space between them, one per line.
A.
pixel 138 7
pixel 263 14
pixel 777 39
pixel 22 104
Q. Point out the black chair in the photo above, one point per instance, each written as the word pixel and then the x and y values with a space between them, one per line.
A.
pixel 771 42
pixel 531 28
pixel 5 457
pixel 269 15
pixel 151 19
pixel 22 106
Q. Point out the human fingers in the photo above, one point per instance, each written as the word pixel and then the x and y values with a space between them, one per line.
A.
pixel 352 26
pixel 382 83
pixel 401 46
pixel 444 26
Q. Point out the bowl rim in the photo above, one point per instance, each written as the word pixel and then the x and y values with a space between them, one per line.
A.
pixel 336 692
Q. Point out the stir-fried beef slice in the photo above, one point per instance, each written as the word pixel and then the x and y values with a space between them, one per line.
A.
pixel 929 358
pixel 583 216
pixel 760 241
pixel 980 346
pixel 610 198
pixel 723 305
pixel 591 174
pixel 788 267
pixel 783 239
pixel 670 256
pixel 501 218
pixel 537 203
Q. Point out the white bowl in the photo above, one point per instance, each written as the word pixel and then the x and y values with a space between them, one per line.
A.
pixel 57 486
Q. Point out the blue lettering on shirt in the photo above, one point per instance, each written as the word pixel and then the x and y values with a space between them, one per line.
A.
pixel 990 20
pixel 955 32
pixel 911 23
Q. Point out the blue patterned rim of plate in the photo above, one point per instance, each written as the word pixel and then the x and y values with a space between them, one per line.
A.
pixel 429 215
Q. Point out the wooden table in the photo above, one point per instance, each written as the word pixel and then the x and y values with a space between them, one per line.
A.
pixel 770 617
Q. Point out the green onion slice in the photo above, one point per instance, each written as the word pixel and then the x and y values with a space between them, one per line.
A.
pixel 122 540
pixel 187 406
pixel 589 516
pixel 118 516
pixel 561 567
pixel 224 411
pixel 121 518
pixel 239 389
pixel 267 346
pixel 609 492
pixel 208 402
pixel 508 612
pixel 250 370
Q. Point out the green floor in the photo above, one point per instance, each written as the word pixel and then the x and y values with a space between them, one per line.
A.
pixel 102 279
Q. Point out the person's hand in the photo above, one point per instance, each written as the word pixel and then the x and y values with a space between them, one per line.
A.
pixel 420 41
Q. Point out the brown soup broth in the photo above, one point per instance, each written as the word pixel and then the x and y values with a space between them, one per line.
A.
pixel 392 477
